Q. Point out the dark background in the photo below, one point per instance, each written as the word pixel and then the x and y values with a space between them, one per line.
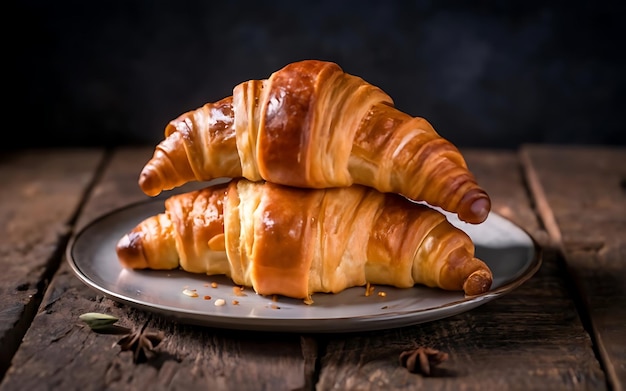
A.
pixel 484 73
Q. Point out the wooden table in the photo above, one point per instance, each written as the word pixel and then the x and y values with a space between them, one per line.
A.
pixel 565 328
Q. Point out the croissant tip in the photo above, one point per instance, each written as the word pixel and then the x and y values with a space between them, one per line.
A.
pixel 477 212
pixel 478 282
pixel 129 251
pixel 149 184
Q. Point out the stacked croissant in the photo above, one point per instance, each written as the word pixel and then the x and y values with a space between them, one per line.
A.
pixel 331 187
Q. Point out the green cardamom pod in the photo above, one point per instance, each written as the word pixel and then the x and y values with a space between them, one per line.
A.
pixel 97 321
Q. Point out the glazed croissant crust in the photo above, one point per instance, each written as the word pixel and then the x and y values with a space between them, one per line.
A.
pixel 296 242
pixel 312 125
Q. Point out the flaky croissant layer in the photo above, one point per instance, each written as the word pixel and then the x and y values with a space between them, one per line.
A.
pixel 296 242
pixel 312 125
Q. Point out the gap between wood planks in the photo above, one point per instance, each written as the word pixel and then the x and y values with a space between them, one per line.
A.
pixel 15 336
pixel 548 219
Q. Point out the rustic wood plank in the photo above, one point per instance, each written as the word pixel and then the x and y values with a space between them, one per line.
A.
pixel 531 338
pixel 584 190
pixel 40 194
pixel 60 351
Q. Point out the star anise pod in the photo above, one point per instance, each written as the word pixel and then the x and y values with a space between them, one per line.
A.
pixel 422 359
pixel 141 343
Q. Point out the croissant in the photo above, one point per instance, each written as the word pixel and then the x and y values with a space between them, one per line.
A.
pixel 312 125
pixel 295 242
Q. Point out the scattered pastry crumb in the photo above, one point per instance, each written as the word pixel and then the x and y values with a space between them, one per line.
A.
pixel 190 292
pixel 272 305
pixel 382 294
pixel 220 302
pixel 384 307
pixel 207 297
pixel 214 284
pixel 235 302
pixel 238 291
pixel 369 289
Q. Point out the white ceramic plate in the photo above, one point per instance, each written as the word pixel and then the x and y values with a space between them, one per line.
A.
pixel 510 252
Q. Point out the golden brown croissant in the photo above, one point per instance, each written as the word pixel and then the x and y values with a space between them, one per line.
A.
pixel 295 242
pixel 312 125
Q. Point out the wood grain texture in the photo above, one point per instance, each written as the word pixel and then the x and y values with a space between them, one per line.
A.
pixel 585 190
pixel 40 194
pixel 530 339
pixel 60 352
